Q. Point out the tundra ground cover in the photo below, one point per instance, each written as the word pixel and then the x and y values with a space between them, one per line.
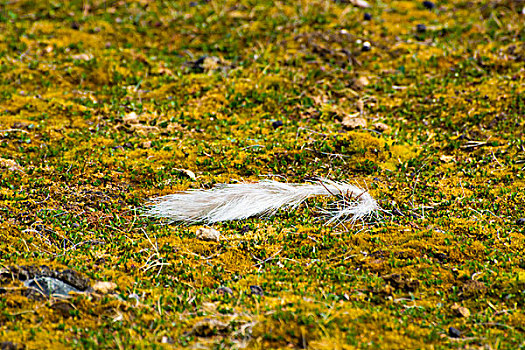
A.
pixel 105 104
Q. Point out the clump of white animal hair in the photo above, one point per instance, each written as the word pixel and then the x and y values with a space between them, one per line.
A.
pixel 239 201
pixel 353 204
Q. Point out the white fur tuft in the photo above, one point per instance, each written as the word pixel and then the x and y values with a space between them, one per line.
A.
pixel 239 201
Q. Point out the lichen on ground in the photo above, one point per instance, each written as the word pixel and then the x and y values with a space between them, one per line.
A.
pixel 104 105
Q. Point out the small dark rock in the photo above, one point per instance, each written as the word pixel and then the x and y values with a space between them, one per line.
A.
pixel 74 278
pixel 454 332
pixel 8 345
pixel 277 124
pixel 199 66
pixel 43 281
pixel 193 3
pixel 440 256
pixel 75 25
pixel 520 221
pixel 49 286
pixel 366 46
pixel 200 61
pixel 256 290
pixel 367 16
pixel 421 28
pixel 224 291
pixel 429 5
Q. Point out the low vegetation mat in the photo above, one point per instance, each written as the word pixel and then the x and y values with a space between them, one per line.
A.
pixel 105 105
